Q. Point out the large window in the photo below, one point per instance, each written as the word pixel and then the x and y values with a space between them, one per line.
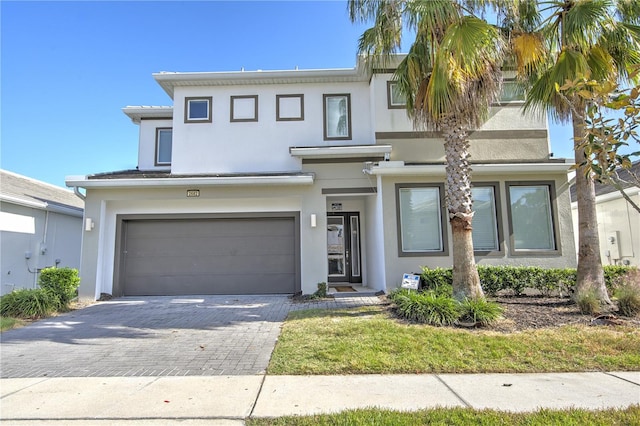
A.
pixel 420 220
pixel 197 110
pixel 337 117
pixel 164 138
pixel 531 217
pixel 485 219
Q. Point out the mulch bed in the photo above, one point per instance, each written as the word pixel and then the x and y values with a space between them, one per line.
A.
pixel 530 313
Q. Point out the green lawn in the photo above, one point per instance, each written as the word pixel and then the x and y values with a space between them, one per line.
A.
pixel 369 340
pixel 462 416
pixel 7 323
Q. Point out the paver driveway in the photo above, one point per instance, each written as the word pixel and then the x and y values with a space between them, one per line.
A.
pixel 154 336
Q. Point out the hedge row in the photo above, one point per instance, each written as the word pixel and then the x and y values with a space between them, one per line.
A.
pixel 515 279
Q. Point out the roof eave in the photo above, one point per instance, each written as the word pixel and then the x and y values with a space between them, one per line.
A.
pixel 271 180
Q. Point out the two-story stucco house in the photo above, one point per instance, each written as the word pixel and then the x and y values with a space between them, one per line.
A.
pixel 274 181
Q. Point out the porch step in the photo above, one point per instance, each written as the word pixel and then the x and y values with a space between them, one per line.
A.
pixel 343 294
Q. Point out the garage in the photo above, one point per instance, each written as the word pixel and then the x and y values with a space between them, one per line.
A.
pixel 245 255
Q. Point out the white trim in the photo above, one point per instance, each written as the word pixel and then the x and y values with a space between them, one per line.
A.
pixel 339 151
pixel 398 168
pixel 614 195
pixel 85 182
pixel 137 113
pixel 169 80
pixel 21 202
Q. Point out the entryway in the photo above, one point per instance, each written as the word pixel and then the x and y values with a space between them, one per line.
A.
pixel 343 248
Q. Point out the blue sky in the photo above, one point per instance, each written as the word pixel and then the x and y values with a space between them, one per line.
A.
pixel 67 69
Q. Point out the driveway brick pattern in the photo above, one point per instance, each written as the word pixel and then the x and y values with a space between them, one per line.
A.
pixel 156 336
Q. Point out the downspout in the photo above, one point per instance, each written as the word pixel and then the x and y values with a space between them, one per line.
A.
pixel 78 193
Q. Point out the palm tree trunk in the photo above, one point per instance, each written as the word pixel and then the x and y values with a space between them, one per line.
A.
pixel 590 275
pixel 466 282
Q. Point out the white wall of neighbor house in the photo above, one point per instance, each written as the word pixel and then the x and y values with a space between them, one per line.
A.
pixel 223 146
pixel 32 239
pixel 618 228
pixel 397 264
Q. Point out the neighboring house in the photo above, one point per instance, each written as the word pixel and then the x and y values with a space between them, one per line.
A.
pixel 618 222
pixel 274 181
pixel 40 226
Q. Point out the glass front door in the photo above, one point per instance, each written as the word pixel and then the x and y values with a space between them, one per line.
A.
pixel 343 247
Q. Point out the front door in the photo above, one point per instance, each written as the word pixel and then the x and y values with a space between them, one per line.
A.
pixel 343 247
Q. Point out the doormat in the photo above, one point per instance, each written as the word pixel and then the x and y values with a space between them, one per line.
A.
pixel 341 288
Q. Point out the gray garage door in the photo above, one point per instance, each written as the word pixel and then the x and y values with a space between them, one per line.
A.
pixel 209 256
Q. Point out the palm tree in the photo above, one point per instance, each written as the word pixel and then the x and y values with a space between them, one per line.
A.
pixel 559 40
pixel 450 77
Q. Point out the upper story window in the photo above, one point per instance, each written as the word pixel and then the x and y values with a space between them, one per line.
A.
pixel 531 223
pixel 244 108
pixel 337 117
pixel 197 110
pixel 164 137
pixel 290 107
pixel 394 99
pixel 511 91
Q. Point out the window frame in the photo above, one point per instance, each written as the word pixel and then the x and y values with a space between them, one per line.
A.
pixel 232 118
pixel 325 99
pixel 499 221
pixel 444 231
pixel 390 105
pixel 187 101
pixel 300 117
pixel 157 161
pixel 553 212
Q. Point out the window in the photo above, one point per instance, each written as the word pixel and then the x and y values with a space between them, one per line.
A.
pixel 531 222
pixel 289 107
pixel 164 138
pixel 485 220
pixel 394 99
pixel 420 220
pixel 197 110
pixel 337 117
pixel 511 91
pixel 244 108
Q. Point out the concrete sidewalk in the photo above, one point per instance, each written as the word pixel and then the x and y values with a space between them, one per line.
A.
pixel 228 400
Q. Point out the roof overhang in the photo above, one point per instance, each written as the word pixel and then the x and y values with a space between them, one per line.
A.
pixel 202 181
pixel 137 113
pixel 349 151
pixel 170 80
pixel 398 168
pixel 42 205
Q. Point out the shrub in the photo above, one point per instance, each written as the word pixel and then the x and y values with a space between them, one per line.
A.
pixel 426 307
pixel 321 292
pixel 627 291
pixel 28 303
pixel 480 311
pixel 63 282
pixel 588 302
pixel 438 280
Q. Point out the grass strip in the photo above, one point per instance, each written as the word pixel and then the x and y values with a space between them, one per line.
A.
pixel 462 416
pixel 368 340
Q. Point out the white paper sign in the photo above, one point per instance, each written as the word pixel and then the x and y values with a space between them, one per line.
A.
pixel 411 281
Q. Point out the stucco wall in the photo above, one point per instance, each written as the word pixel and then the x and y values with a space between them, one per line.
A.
pixel 147 145
pixel 396 265
pixel 59 235
pixel 223 146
